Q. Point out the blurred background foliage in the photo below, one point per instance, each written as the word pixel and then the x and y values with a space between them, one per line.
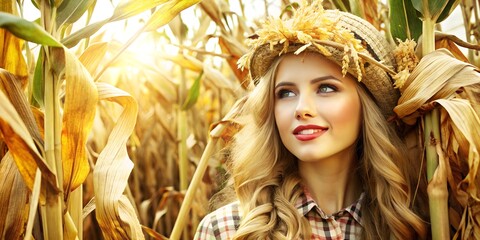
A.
pixel 178 62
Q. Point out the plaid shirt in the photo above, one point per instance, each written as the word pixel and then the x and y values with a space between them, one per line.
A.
pixel 345 224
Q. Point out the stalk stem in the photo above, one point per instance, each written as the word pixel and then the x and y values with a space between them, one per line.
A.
pixel 437 183
pixel 53 224
pixel 182 147
pixel 430 140
pixel 438 200
pixel 187 201
pixel 428 36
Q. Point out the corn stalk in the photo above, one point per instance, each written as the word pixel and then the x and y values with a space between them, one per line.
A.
pixel 225 129
pixel 437 189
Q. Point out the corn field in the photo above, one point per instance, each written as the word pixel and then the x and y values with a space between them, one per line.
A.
pixel 101 139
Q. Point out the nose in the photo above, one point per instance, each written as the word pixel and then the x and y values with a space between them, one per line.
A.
pixel 305 108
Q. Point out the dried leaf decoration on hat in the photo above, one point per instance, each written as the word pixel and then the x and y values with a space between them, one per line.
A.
pixel 307 26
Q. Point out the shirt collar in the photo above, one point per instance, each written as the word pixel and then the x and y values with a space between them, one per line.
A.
pixel 306 203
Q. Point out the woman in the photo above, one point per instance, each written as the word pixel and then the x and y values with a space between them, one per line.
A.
pixel 316 158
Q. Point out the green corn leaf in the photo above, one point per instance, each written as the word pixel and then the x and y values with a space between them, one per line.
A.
pixel 451 5
pixel 356 8
pixel 343 5
pixel 404 22
pixel 430 9
pixel 71 10
pixel 27 30
pixel 123 11
pixel 85 32
pixel 38 81
pixel 193 93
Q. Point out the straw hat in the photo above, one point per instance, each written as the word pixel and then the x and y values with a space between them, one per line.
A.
pixel 350 41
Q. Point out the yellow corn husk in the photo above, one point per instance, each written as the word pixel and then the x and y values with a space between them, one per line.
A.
pixel 453 85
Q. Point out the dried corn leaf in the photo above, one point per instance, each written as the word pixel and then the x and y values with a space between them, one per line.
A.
pixel 216 79
pixel 467 122
pixel 201 32
pixel 21 143
pixel 228 126
pixel 93 56
pixel 229 47
pixel 211 8
pixel 467 127
pixel 371 12
pixel 167 12
pixel 115 213
pixel 78 113
pixel 470 222
pixel 70 231
pixel 12 88
pixel 8 6
pixel 152 233
pixel 436 76
pixel 450 45
pixel 186 62
pixel 13 200
pixel 441 79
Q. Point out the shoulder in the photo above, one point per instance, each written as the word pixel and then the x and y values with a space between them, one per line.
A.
pixel 220 224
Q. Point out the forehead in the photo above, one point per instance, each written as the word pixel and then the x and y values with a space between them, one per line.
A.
pixel 306 65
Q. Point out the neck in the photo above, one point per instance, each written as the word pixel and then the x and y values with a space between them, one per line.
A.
pixel 333 184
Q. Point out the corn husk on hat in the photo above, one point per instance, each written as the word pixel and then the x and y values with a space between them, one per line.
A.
pixel 348 40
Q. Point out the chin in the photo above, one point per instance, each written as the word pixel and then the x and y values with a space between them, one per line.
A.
pixel 309 158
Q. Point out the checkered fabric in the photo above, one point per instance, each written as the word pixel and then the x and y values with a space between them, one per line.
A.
pixel 345 224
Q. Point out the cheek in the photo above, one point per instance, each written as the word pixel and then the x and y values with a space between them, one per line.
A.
pixel 283 116
pixel 279 116
pixel 347 114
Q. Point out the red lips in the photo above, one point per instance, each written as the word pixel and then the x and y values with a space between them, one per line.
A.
pixel 308 132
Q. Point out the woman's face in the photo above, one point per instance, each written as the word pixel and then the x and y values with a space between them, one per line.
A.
pixel 317 110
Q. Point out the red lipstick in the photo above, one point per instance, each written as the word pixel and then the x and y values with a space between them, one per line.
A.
pixel 308 132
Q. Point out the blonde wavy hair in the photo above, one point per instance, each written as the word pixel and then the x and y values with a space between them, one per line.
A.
pixel 267 183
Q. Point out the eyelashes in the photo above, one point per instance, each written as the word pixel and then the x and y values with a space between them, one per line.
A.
pixel 284 93
pixel 327 88
pixel 292 92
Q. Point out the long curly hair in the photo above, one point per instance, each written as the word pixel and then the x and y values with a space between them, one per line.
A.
pixel 267 183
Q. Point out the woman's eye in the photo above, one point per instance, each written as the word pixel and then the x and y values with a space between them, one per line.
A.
pixel 326 88
pixel 285 93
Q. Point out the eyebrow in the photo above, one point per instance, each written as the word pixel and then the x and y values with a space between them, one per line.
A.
pixel 313 81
